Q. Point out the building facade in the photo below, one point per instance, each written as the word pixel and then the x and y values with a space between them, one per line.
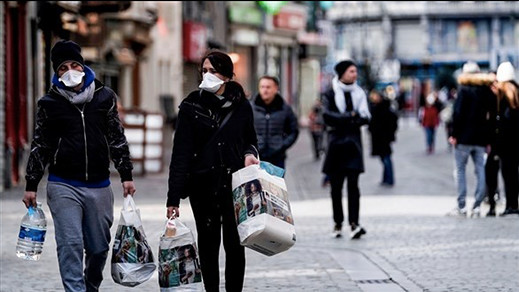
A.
pixel 424 39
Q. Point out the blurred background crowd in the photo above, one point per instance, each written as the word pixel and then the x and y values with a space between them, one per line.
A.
pixel 149 53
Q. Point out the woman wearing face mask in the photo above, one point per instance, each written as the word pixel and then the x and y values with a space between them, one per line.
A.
pixel 214 137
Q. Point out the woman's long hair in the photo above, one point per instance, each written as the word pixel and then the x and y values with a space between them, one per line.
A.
pixel 510 90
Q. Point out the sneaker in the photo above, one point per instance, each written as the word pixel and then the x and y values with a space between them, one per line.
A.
pixel 476 213
pixel 457 212
pixel 337 231
pixel 491 212
pixel 357 232
pixel 509 211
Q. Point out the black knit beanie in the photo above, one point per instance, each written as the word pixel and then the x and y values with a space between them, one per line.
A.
pixel 65 51
pixel 341 67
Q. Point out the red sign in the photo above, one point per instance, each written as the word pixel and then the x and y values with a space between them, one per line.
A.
pixel 290 20
pixel 194 41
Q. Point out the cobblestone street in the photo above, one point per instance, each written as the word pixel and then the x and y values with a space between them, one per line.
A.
pixel 410 244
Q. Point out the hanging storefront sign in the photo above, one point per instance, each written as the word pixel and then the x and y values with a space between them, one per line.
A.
pixel 245 15
pixel 271 7
pixel 292 20
pixel 194 41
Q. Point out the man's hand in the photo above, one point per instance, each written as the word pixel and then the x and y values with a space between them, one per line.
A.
pixel 171 210
pixel 128 188
pixel 250 160
pixel 453 141
pixel 29 199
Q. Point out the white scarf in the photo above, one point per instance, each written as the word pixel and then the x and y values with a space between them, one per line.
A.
pixel 358 97
pixel 79 98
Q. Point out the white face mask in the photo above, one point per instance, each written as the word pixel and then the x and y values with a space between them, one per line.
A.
pixel 72 78
pixel 211 83
pixel 430 99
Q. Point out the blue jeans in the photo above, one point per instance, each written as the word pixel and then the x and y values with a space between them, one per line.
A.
pixel 429 137
pixel 461 155
pixel 387 177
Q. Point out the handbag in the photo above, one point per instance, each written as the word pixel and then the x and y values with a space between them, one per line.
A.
pixel 132 259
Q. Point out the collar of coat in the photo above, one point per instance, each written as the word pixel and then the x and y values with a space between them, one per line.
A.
pixel 277 103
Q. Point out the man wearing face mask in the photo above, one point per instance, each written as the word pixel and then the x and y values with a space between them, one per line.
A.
pixel 215 137
pixel 275 122
pixel 77 132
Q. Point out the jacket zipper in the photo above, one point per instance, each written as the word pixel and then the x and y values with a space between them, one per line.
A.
pixel 57 150
pixel 84 137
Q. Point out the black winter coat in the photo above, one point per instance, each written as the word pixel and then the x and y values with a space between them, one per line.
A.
pixel 471 112
pixel 383 125
pixel 200 166
pixel 276 127
pixel 505 129
pixel 78 140
pixel 344 154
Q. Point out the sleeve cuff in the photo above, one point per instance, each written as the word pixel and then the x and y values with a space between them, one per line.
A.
pixel 173 201
pixel 126 175
pixel 31 186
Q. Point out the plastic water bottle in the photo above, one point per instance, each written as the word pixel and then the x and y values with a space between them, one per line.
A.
pixel 32 234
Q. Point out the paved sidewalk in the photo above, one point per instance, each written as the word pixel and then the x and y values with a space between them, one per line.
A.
pixel 410 245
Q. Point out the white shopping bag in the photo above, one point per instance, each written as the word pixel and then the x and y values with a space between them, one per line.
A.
pixel 178 257
pixel 132 258
pixel 262 210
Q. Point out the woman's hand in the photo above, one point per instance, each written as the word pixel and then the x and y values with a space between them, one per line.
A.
pixel 171 210
pixel 250 159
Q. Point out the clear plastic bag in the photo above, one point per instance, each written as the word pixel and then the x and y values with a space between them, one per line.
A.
pixel 132 258
pixel 178 257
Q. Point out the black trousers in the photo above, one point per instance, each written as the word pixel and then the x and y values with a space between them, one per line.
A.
pixel 510 173
pixel 213 213
pixel 336 183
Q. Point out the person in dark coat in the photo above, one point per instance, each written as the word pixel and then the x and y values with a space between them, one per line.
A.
pixel 275 122
pixel 77 133
pixel 316 127
pixel 345 111
pixel 470 134
pixel 215 137
pixel 383 126
pixel 504 151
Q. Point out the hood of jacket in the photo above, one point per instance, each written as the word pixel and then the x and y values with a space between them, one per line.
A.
pixel 476 79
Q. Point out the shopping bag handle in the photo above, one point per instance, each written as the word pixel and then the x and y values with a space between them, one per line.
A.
pixel 129 202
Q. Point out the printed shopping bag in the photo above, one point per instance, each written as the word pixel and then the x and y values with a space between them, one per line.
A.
pixel 262 210
pixel 132 258
pixel 178 257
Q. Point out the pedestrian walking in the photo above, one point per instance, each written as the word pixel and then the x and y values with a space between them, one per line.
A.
pixel 276 124
pixel 215 137
pixel 382 126
pixel 345 111
pixel 428 116
pixel 316 127
pixel 77 132
pixel 505 140
pixel 470 135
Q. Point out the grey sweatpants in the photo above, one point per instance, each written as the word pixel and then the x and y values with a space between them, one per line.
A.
pixel 82 220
